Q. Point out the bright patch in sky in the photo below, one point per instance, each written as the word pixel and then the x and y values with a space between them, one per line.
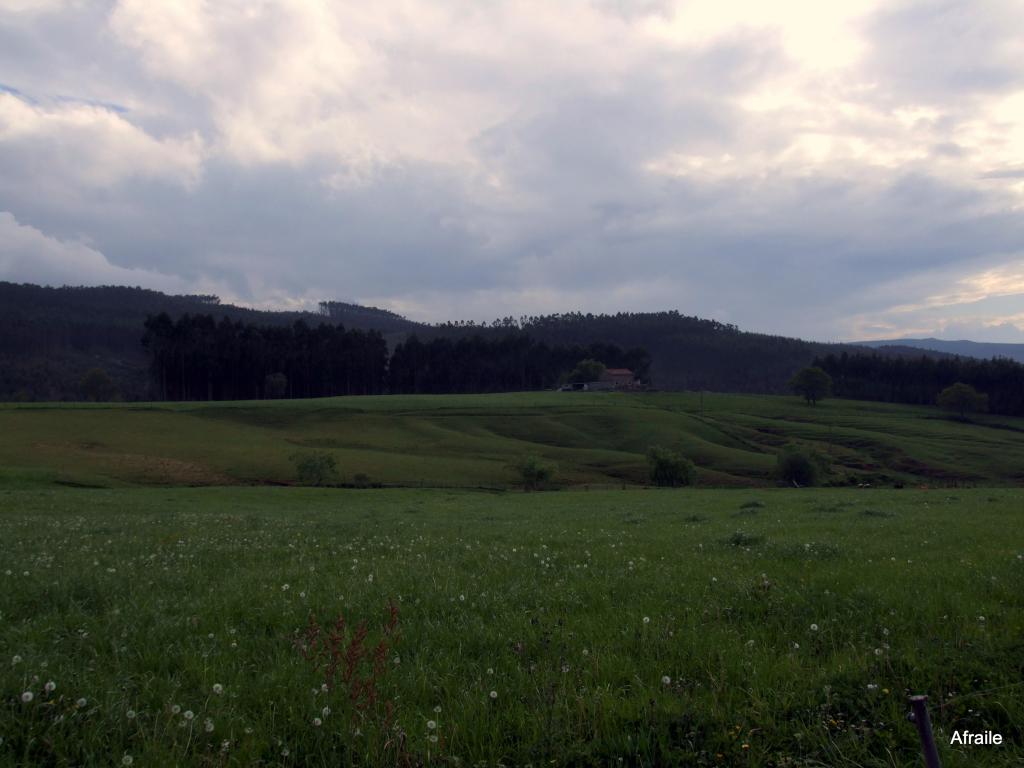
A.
pixel 828 170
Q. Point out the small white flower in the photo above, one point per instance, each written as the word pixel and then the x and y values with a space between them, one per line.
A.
pixel 317 722
pixel 494 694
pixel 437 709
pixel 27 696
pixel 127 759
pixel 189 714
pixel 814 627
pixel 16 659
pixel 81 703
pixel 647 619
pixel 218 688
pixel 433 739
pixel 431 725
pixel 50 686
pixel 665 680
pixel 130 714
pixel 175 709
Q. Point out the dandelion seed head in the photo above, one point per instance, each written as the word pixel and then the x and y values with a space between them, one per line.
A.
pixel 665 680
pixel 431 725
pixel 27 696
pixel 494 694
pixel 50 686
pixel 218 688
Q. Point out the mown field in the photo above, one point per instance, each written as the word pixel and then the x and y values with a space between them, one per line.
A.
pixel 639 627
pixel 596 439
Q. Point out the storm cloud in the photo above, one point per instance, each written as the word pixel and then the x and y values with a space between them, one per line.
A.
pixel 789 167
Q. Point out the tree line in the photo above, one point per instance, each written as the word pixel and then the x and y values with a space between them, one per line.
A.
pixel 919 381
pixel 198 358
pixel 507 362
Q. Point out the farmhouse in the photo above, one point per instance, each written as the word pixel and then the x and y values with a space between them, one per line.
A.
pixel 619 378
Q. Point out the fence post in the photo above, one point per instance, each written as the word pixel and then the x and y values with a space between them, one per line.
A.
pixel 919 714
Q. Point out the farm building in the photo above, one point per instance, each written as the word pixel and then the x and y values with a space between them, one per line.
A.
pixel 619 378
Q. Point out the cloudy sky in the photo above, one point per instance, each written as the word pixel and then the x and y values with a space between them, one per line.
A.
pixel 829 170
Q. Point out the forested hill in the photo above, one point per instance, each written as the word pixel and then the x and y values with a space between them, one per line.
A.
pixel 687 353
pixel 50 338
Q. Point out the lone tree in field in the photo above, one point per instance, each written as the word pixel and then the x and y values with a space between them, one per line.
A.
pixel 812 384
pixel 534 472
pixel 587 370
pixel 97 386
pixel 962 398
pixel 670 469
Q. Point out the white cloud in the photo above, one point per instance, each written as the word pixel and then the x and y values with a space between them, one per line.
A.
pixel 29 255
pixel 93 146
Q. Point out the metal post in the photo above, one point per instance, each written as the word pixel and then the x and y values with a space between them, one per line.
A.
pixel 919 705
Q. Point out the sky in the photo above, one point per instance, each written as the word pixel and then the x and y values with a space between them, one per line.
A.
pixel 850 170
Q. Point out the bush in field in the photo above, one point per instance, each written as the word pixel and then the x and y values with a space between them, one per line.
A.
pixel 800 466
pixel 315 468
pixel 534 472
pixel 97 386
pixel 670 469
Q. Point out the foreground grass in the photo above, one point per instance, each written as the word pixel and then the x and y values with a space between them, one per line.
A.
pixel 756 628
pixel 475 440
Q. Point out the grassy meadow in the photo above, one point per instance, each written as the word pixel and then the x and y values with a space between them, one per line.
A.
pixel 171 626
pixel 595 439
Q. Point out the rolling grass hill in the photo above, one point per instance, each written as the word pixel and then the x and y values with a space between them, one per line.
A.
pixel 596 439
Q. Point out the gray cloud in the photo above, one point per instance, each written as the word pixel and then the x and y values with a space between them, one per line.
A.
pixel 522 162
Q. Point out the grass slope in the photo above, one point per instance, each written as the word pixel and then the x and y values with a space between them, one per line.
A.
pixel 473 440
pixel 642 628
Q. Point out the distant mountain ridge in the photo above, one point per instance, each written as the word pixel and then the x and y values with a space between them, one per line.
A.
pixel 50 337
pixel 983 350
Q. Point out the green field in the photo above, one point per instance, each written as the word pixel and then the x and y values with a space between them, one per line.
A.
pixel 596 439
pixel 692 627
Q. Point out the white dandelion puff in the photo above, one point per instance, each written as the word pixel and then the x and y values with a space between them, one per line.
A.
pixel 27 696
pixel 218 688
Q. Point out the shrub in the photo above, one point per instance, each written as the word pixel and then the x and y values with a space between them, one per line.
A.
pixel 800 466
pixel 315 468
pixel 670 469
pixel 534 472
